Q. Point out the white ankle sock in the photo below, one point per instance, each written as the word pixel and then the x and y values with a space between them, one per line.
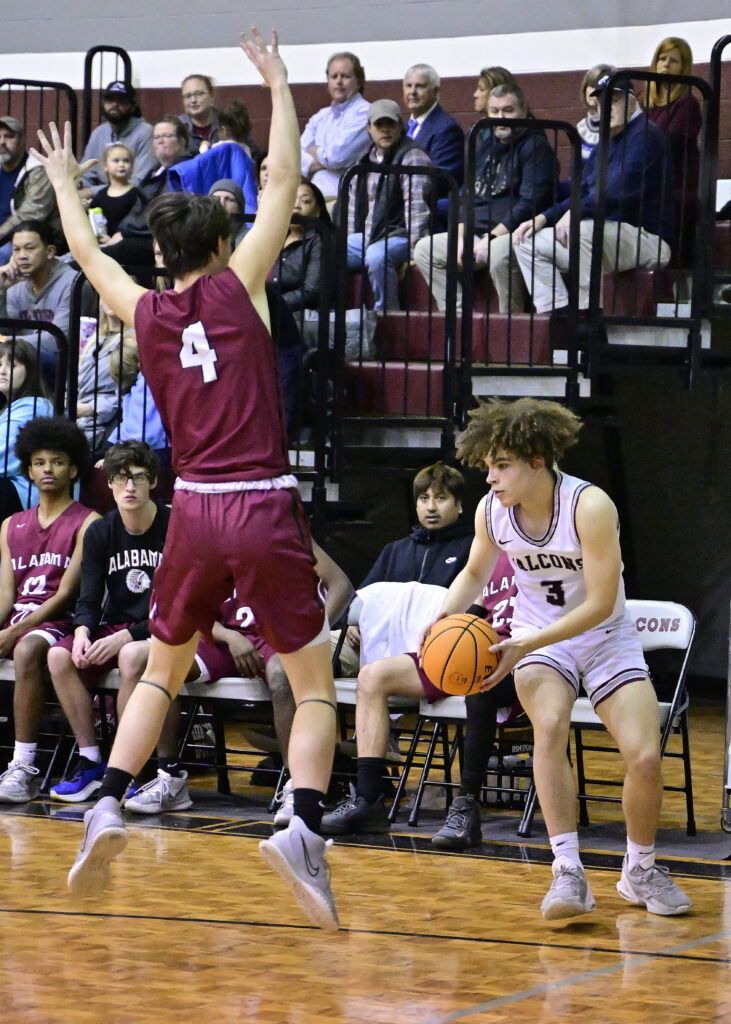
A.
pixel 637 854
pixel 566 847
pixel 91 754
pixel 25 752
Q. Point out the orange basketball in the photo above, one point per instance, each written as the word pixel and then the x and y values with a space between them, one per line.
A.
pixel 456 654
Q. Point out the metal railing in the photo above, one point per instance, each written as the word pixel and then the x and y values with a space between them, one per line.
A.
pixel 35 102
pixel 96 80
pixel 394 354
pixel 522 344
pixel 719 275
pixel 652 252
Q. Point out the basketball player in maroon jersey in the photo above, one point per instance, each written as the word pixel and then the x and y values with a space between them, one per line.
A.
pixel 206 353
pixel 40 571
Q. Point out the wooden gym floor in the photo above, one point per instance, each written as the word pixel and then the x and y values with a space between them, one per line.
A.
pixel 197 928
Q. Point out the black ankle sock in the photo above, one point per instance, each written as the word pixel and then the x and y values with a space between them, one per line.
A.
pixel 470 786
pixel 308 805
pixel 171 767
pixel 114 783
pixel 370 778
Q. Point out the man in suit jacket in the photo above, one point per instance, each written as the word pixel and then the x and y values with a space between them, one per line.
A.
pixel 431 127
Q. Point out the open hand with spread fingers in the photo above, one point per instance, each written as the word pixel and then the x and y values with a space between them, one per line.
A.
pixel 58 157
pixel 270 65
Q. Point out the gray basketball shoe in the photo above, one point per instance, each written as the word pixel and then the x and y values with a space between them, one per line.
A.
pixel 298 855
pixel 569 895
pixel 105 837
pixel 652 887
pixel 19 783
pixel 166 792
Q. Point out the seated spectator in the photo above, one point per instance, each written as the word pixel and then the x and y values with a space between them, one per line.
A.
pixel 297 274
pixel 262 174
pixel 588 126
pixel 200 115
pixel 434 552
pixel 42 291
pixel 119 558
pixel 40 568
pixel 677 112
pixel 131 244
pixel 25 191
pixel 336 136
pixel 515 175
pixel 235 126
pixel 639 217
pixel 122 123
pixel 105 357
pixel 400 675
pixel 430 126
pixel 24 394
pixel 387 214
pixel 489 78
pixel 237 650
pixel 118 199
pixel 231 196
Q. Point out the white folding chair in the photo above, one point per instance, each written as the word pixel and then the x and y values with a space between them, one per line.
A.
pixel 661 625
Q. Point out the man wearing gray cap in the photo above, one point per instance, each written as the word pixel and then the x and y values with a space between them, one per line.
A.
pixel 25 191
pixel 387 214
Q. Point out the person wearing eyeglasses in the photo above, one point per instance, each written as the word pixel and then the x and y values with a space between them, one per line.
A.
pixel 200 116
pixel 120 554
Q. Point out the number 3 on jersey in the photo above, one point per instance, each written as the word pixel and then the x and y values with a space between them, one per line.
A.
pixel 197 352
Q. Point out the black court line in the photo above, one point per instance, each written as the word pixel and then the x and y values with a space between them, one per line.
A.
pixel 386 933
pixel 502 851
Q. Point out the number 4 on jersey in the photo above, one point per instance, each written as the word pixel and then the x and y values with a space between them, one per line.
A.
pixel 197 352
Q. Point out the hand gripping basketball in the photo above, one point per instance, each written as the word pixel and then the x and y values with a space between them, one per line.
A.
pixel 456 655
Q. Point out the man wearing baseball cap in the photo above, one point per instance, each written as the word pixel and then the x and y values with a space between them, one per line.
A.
pixel 639 217
pixel 387 214
pixel 25 191
pixel 122 123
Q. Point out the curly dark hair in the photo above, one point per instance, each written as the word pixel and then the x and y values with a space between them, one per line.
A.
pixel 188 229
pixel 527 428
pixel 120 457
pixel 55 434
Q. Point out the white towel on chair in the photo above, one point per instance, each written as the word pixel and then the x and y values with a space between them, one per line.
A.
pixel 393 616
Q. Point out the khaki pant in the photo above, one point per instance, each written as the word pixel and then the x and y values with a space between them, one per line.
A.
pixel 430 256
pixel 349 659
pixel 620 252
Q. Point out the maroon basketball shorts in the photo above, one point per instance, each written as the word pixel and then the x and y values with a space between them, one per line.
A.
pixel 51 632
pixel 215 661
pixel 92 675
pixel 257 542
pixel 431 692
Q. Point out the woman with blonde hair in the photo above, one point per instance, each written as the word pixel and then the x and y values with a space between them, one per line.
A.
pixel 677 112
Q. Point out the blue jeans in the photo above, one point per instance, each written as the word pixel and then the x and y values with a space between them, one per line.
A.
pixel 382 262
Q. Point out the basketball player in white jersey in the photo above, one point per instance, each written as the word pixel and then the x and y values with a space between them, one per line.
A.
pixel 570 628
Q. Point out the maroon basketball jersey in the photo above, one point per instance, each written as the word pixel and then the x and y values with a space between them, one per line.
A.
pixel 234 615
pixel 41 556
pixel 498 597
pixel 210 363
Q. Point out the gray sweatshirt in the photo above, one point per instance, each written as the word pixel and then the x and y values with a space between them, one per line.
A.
pixel 51 303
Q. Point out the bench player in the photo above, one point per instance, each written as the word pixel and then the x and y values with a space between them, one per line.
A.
pixel 570 627
pixel 206 353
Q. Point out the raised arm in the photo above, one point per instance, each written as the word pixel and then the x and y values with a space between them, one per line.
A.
pixel 256 253
pixel 114 285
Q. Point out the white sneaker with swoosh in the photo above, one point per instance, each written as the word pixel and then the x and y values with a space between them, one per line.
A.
pixel 298 855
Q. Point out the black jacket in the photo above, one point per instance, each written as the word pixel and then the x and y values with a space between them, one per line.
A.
pixel 426 556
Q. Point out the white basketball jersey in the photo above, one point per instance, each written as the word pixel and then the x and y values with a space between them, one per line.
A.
pixel 549 571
